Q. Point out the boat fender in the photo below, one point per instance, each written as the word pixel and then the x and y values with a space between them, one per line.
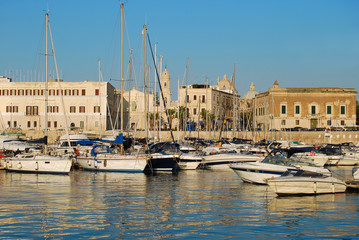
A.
pixel 312 153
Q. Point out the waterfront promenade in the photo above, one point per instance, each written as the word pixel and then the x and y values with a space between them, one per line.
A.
pixel 309 137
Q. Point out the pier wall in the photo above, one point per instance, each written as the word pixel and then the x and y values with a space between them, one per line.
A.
pixel 309 137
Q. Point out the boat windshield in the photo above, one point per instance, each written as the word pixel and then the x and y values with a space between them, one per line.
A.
pixel 282 159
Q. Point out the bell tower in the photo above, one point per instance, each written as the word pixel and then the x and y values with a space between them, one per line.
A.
pixel 165 85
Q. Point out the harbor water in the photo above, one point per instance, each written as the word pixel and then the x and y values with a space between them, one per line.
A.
pixel 200 204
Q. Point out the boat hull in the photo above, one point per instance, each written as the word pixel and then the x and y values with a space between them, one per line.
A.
pixel 306 186
pixel 113 163
pixel 163 162
pixel 252 174
pixel 38 164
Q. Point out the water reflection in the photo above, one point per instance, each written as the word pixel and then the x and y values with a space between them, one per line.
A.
pixel 189 204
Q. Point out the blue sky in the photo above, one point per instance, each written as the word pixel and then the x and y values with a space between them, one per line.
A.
pixel 307 43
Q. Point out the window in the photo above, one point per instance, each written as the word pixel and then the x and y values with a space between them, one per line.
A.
pixel 82 109
pixel 329 122
pixel 36 110
pixel 284 109
pixel 75 92
pixel 203 98
pixel 55 109
pixel 194 111
pixel 32 110
pixel 194 97
pixel 82 124
pixel 187 98
pixel 8 124
pixel 342 110
pixel 297 122
pixel 72 109
pixel 96 109
pixel 97 92
pixel 83 92
pixel 329 110
pixel 55 124
pixel 15 124
pixel 48 124
pixel 28 124
pixel 297 109
pixel 342 122
pixel 8 108
pixel 314 109
pixel 67 92
pixel 283 122
pixel 35 124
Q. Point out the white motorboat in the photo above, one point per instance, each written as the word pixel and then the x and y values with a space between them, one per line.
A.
pixel 272 166
pixel 222 160
pixel 189 161
pixel 102 159
pixel 34 163
pixel 337 157
pixel 318 159
pixel 304 183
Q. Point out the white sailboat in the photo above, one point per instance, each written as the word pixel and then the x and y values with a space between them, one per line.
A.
pixel 37 162
pixel 102 159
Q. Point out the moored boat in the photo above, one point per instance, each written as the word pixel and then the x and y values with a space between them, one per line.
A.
pixel 102 159
pixel 305 183
pixel 34 163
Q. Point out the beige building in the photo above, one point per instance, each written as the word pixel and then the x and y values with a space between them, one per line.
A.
pixel 217 100
pixel 281 108
pixel 85 105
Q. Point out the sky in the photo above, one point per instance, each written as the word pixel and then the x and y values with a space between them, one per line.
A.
pixel 306 43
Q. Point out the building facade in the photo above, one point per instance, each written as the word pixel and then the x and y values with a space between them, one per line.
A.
pixel 85 105
pixel 218 100
pixel 309 108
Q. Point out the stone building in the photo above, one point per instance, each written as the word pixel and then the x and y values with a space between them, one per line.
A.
pixel 217 100
pixel 310 108
pixel 85 105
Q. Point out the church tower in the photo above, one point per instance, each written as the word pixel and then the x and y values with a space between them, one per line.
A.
pixel 165 84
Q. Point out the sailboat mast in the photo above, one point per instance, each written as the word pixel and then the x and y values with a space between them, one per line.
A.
pixel 144 32
pixel 154 100
pixel 234 102
pixel 46 72
pixel 121 120
pixel 185 111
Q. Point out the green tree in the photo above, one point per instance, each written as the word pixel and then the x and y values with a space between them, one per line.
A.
pixel 171 114
pixel 181 114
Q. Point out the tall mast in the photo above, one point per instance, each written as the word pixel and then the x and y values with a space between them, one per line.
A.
pixel 207 100
pixel 46 71
pixel 144 32
pixel 121 120
pixel 154 100
pixel 234 101
pixel 129 92
pixel 185 111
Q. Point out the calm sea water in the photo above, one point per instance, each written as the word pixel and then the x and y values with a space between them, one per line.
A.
pixel 189 205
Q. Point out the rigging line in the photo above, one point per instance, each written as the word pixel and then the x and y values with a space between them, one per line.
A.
pixel 159 83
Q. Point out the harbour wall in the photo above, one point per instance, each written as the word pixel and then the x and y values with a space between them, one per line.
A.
pixel 309 137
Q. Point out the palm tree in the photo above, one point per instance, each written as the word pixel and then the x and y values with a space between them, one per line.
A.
pixel 181 115
pixel 171 114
